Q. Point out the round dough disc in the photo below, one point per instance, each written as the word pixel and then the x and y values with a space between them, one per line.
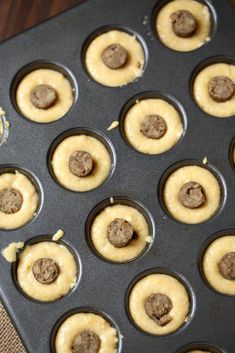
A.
pixel 202 96
pixel 212 256
pixel 209 184
pixel 99 154
pixel 65 281
pixel 49 77
pixel 79 322
pixel 29 206
pixel 99 230
pixel 136 114
pixel 164 284
pixel 118 77
pixel 170 39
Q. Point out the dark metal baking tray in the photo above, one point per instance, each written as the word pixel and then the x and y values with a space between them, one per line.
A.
pixel 177 247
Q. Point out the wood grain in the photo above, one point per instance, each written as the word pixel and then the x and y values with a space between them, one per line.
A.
pixel 17 15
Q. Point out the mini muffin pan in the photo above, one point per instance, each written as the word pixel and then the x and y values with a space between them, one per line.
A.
pixel 135 178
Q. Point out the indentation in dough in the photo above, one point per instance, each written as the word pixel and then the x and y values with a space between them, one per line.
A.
pixel 170 39
pixel 49 77
pixel 118 77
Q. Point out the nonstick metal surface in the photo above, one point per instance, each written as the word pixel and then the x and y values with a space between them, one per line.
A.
pixel 103 286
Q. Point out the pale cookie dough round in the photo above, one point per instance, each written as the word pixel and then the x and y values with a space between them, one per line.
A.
pixel 79 322
pixel 115 77
pixel 164 284
pixel 201 93
pixel 153 106
pixel 29 205
pixel 99 154
pixel 212 256
pixel 167 35
pixel 99 233
pixel 211 189
pixel 49 77
pixel 65 261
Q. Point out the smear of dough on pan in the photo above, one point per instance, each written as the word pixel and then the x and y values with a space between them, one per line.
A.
pixel 114 124
pixel 9 253
pixel 58 235
pixel 111 199
pixel 149 239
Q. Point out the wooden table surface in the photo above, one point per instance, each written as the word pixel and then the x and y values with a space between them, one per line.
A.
pixel 17 15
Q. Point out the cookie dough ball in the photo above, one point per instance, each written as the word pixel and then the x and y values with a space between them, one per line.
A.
pixel 119 233
pixel 183 25
pixel 88 333
pixel 114 58
pixel 81 163
pixel 192 194
pixel 153 126
pixel 46 271
pixel 214 90
pixel 44 95
pixel 18 200
pixel 218 264
pixel 159 304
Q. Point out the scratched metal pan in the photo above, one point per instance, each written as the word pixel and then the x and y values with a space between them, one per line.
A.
pixel 136 178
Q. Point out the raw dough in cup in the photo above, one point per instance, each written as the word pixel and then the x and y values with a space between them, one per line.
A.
pixel 166 285
pixel 114 77
pixel 211 258
pixel 29 197
pixel 211 188
pixel 99 154
pixel 147 107
pixel 201 93
pixel 76 323
pixel 167 35
pixel 53 78
pixel 65 261
pixel 99 233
